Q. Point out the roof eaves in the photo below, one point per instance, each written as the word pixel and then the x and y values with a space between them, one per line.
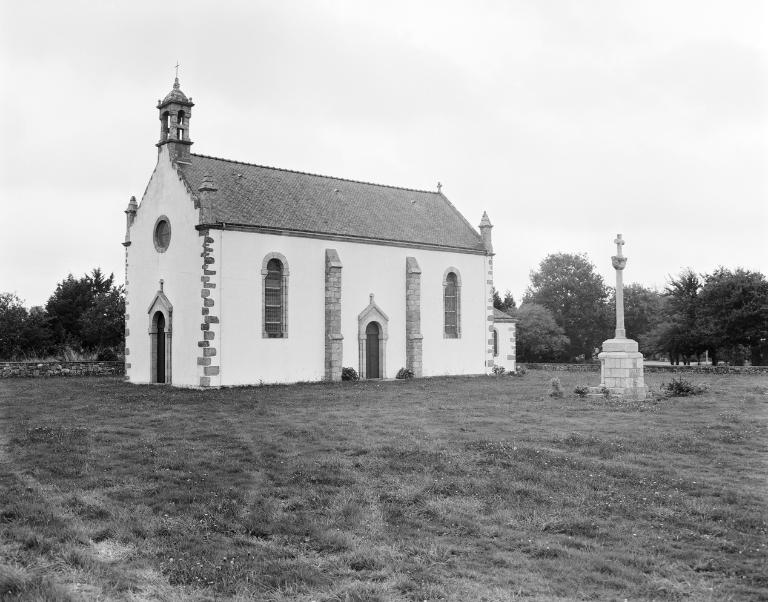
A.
pixel 219 225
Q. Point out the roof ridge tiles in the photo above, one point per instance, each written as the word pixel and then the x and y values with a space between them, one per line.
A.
pixel 317 175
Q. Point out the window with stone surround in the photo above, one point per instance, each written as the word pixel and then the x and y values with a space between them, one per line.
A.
pixel 495 343
pixel 451 304
pixel 275 302
pixel 162 234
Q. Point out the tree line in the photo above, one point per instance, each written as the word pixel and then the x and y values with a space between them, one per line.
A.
pixel 567 311
pixel 82 317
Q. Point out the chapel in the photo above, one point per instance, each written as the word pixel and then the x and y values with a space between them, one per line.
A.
pixel 241 274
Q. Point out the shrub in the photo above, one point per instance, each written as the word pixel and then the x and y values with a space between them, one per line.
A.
pixel 404 373
pixel 680 387
pixel 519 371
pixel 107 355
pixel 498 370
pixel 606 392
pixel 557 388
pixel 349 373
pixel 581 391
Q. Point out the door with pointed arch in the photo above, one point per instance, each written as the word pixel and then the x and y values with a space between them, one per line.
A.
pixel 372 350
pixel 160 349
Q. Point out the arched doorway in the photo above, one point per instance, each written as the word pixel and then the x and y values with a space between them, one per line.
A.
pixel 160 314
pixel 160 348
pixel 372 357
pixel 372 325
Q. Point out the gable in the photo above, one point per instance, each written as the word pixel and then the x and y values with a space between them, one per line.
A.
pixel 300 203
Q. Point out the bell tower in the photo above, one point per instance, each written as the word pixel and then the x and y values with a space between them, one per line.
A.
pixel 175 113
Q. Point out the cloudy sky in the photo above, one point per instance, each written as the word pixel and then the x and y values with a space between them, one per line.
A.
pixel 567 121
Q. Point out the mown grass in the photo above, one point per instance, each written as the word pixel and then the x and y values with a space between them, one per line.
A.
pixel 434 489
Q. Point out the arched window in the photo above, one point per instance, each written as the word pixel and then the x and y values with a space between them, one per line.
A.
pixel 180 118
pixel 495 343
pixel 165 126
pixel 275 311
pixel 452 304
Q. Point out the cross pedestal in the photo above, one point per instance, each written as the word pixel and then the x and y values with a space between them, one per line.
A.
pixel 621 364
pixel 621 369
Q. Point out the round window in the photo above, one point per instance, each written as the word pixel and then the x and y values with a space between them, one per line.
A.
pixel 162 234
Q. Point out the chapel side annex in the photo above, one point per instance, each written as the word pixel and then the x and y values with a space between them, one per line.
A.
pixel 243 274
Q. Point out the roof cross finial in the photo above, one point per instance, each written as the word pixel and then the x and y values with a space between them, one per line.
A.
pixel 176 81
pixel 439 186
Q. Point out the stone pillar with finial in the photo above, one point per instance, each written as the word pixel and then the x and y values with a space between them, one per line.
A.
pixel 485 233
pixel 621 364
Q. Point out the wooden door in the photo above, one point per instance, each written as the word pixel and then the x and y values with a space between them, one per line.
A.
pixel 372 351
pixel 160 341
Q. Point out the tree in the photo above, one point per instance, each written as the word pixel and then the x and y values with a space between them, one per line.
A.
pixel 103 323
pixel 497 302
pixel 539 338
pixel 569 287
pixel 13 315
pixel 507 304
pixel 87 311
pixel 683 335
pixel 38 338
pixel 733 311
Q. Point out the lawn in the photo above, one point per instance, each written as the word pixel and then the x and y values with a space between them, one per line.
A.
pixel 462 489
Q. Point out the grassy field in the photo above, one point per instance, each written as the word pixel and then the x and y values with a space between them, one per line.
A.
pixel 436 489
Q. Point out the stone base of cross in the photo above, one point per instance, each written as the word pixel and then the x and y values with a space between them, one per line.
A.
pixel 621 369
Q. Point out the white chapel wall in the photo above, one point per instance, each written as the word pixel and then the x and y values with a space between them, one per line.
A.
pixel 245 357
pixel 180 268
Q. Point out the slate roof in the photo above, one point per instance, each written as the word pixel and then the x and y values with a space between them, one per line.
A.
pixel 267 197
pixel 502 316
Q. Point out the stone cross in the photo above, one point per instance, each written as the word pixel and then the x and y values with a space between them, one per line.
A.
pixel 439 186
pixel 619 261
pixel 177 69
pixel 619 243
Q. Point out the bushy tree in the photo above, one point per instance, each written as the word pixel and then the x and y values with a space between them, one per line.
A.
pixel 733 312
pixel 103 323
pixel 22 333
pixel 539 338
pixel 88 311
pixel 507 304
pixel 683 335
pixel 13 315
pixel 643 310
pixel 37 333
pixel 568 285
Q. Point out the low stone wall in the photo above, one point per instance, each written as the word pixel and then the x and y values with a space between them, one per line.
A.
pixel 692 369
pixel 564 367
pixel 46 369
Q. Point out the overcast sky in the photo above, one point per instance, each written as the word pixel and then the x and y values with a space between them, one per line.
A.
pixel 567 121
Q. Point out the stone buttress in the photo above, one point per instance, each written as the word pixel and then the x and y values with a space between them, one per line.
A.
pixel 413 336
pixel 333 337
